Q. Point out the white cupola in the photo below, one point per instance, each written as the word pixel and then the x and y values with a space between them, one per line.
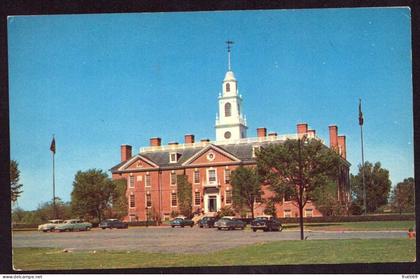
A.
pixel 230 123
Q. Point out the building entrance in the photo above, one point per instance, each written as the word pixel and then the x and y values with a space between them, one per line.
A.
pixel 212 204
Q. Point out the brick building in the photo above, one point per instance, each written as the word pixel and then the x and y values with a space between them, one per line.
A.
pixel 152 173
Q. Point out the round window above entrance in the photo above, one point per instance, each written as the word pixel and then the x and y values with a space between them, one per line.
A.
pixel 210 156
pixel 228 135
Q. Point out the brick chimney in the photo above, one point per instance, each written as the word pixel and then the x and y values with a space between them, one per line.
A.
pixel 333 129
pixel 125 152
pixel 205 140
pixel 261 132
pixel 342 146
pixel 311 133
pixel 189 138
pixel 302 128
pixel 155 141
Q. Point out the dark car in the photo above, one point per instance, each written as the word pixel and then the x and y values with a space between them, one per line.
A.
pixel 207 222
pixel 229 223
pixel 181 222
pixel 266 223
pixel 113 223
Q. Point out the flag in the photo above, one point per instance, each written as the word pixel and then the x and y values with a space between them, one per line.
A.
pixel 360 113
pixel 52 147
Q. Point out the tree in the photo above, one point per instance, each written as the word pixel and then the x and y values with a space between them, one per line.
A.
pixel 296 168
pixel 270 209
pixel 246 188
pixel 403 198
pixel 45 211
pixel 325 199
pixel 92 194
pixel 184 195
pixel 119 199
pixel 15 186
pixel 377 185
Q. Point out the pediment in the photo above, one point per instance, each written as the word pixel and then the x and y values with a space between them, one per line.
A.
pixel 138 162
pixel 211 154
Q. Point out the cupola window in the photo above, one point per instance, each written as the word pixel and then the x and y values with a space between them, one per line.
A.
pixel 228 109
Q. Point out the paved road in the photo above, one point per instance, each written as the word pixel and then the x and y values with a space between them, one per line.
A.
pixel 174 240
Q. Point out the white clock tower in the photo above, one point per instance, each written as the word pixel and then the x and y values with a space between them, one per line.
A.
pixel 230 122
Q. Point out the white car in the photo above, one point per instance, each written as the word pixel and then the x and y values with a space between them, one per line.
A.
pixel 50 226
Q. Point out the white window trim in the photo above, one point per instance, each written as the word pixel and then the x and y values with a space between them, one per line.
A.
pixel 132 194
pixel 199 198
pixel 176 197
pixel 208 176
pixel 230 174
pixel 254 148
pixel 308 209
pixel 131 185
pixel 198 182
pixel 231 197
pixel 150 180
pixel 170 157
pixel 289 211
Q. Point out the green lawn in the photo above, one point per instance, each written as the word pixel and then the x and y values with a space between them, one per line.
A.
pixel 274 253
pixel 356 226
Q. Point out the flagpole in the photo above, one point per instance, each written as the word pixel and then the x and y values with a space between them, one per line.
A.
pixel 363 171
pixel 363 157
pixel 53 153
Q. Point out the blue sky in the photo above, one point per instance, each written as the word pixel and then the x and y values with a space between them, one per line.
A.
pixel 99 81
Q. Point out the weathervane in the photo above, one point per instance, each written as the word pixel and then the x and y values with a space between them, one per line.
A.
pixel 229 43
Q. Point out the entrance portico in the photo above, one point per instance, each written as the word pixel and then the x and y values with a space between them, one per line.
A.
pixel 212 201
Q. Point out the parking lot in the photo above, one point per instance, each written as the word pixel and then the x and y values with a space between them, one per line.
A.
pixel 174 240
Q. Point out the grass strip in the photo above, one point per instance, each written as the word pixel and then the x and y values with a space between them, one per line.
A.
pixel 273 253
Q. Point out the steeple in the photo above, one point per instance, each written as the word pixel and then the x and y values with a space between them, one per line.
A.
pixel 230 123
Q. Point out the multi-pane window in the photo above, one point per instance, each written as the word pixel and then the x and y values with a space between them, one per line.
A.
pixel 132 200
pixel 308 212
pixel 228 196
pixel 196 177
pixel 197 198
pixel 131 181
pixel 211 176
pixel 147 180
pixel 148 200
pixel 287 213
pixel 227 176
pixel 173 178
pixel 173 199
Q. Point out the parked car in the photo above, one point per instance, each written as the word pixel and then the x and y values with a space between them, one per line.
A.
pixel 266 223
pixel 230 223
pixel 113 223
pixel 181 221
pixel 50 226
pixel 207 222
pixel 73 225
